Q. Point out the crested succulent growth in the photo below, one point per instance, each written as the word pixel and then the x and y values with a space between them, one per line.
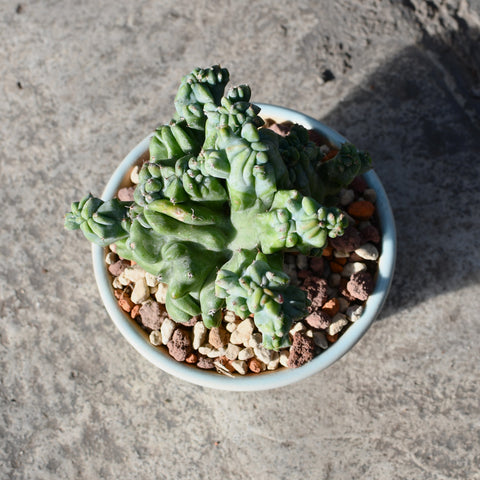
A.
pixel 219 202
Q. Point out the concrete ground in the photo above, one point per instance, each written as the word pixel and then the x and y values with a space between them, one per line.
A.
pixel 81 84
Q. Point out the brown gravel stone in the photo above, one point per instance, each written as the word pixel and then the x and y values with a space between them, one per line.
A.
pixel 360 285
pixel 301 351
pixel 205 362
pixel 348 242
pixel 192 358
pixel 318 320
pixel 369 233
pixel 126 194
pixel 118 267
pixel 125 302
pixel 359 185
pixel 180 346
pixel 218 337
pixel 152 315
pixel 316 289
pixel 317 265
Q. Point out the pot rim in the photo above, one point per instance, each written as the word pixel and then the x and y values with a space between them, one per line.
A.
pixel 276 378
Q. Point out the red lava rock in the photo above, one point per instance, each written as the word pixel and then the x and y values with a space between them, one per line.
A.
pixel 301 351
pixel 316 289
pixel 125 302
pixel 358 185
pixel 205 362
pixel 134 311
pixel 302 274
pixel 126 194
pixel 370 234
pixel 152 315
pixel 192 358
pixel 348 242
pixel 254 365
pixel 360 285
pixel 180 346
pixel 317 264
pixel 118 267
pixel 318 320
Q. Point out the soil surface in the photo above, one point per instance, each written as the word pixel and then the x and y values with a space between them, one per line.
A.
pixel 82 84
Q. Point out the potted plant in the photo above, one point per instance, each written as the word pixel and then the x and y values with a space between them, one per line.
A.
pixel 194 258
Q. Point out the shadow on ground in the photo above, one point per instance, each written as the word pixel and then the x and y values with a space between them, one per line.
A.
pixel 419 116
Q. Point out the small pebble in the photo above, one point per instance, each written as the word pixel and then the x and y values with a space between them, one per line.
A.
pixel 232 351
pixel 134 274
pixel 354 312
pixel 368 251
pixel 140 292
pixel 263 354
pixel 298 327
pixel 167 329
pixel 346 197
pixel 370 194
pixel 161 293
pixel 255 340
pixel 218 337
pixel 351 268
pixel 152 280
pixel 246 353
pixel 229 316
pixel 284 354
pixel 199 334
pixel 243 332
pixel 230 327
pixel 134 178
pixel 240 366
pixel 155 337
pixel 320 340
pixel 338 322
pixel 302 262
pixel 334 279
pixel 274 362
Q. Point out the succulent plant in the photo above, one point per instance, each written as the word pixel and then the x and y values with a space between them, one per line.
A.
pixel 219 202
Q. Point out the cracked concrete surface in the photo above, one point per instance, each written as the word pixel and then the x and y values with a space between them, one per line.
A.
pixel 82 84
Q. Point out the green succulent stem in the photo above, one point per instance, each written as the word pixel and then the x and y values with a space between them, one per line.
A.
pixel 219 202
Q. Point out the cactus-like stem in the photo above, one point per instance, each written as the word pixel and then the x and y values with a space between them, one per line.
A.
pixel 218 203
pixel 101 222
pixel 266 292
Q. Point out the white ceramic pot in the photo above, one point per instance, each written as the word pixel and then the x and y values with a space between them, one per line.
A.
pixel 138 338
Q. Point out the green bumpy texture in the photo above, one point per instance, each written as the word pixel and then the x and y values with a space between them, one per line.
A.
pixel 219 202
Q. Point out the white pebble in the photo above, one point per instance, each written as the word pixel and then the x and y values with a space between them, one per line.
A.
pixel 230 327
pixel 152 280
pixel 273 363
pixel 354 312
pixel 346 196
pixel 123 280
pixel 110 258
pixel 134 178
pixel 284 354
pixel 214 353
pixel 263 354
pixel 298 327
pixel 351 268
pixel 340 254
pixel 199 335
pixel 338 322
pixel 205 349
pixel 240 366
pixel 243 332
pixel 161 293
pixel 140 292
pixel 232 351
pixel 117 284
pixel 309 333
pixel 302 262
pixel 229 316
pixel 320 340
pixel 255 340
pixel 246 353
pixel 167 329
pixel 368 251
pixel 134 273
pixel 155 337
pixel 370 194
